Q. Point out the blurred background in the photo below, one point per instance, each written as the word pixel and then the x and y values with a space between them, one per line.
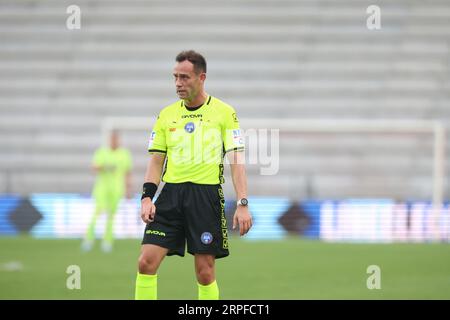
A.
pixel 361 115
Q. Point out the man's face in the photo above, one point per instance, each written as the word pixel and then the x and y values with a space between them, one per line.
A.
pixel 188 84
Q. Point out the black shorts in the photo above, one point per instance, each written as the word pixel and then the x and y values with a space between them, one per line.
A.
pixel 192 213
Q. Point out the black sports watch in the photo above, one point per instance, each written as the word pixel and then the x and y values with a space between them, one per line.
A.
pixel 242 202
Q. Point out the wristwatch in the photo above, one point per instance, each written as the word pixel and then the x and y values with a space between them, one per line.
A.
pixel 242 202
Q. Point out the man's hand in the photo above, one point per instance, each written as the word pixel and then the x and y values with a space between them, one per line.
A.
pixel 148 210
pixel 243 219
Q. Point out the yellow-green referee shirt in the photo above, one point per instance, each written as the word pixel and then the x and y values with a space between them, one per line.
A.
pixel 196 141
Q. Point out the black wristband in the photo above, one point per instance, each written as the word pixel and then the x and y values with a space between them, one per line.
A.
pixel 149 190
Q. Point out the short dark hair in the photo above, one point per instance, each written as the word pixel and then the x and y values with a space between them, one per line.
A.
pixel 193 57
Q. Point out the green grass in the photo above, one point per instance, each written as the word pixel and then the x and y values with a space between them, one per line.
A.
pixel 287 269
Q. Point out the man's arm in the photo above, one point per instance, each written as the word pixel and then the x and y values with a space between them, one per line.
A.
pixel 153 175
pixel 242 216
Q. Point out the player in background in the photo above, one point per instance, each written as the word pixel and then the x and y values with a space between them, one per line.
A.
pixel 112 166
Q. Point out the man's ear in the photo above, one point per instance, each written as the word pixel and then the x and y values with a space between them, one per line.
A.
pixel 202 76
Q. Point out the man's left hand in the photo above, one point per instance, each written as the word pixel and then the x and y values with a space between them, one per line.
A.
pixel 243 219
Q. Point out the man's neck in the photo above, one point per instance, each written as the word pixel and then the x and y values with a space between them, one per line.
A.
pixel 199 100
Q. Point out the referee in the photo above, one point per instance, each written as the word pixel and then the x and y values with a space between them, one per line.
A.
pixel 187 145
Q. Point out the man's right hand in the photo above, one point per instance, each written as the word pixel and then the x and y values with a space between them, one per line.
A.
pixel 148 210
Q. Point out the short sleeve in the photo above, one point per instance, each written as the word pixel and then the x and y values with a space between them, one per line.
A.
pixel 231 132
pixel 157 141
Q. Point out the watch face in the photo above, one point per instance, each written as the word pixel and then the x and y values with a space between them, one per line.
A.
pixel 244 201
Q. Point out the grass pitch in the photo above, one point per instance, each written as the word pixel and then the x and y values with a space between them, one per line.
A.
pixel 286 269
